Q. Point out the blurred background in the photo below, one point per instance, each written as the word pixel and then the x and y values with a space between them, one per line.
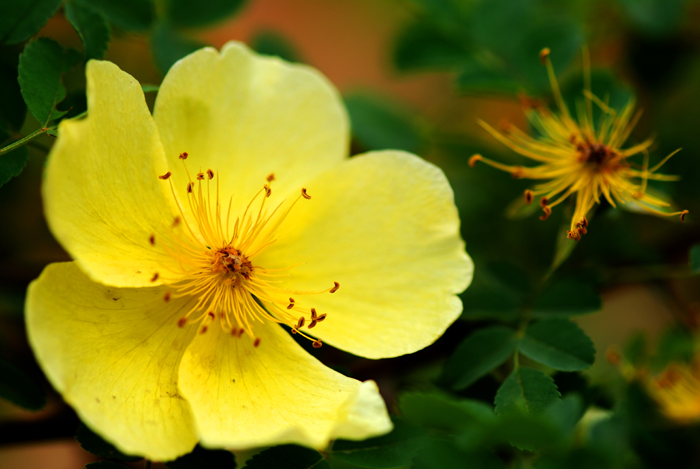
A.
pixel 416 75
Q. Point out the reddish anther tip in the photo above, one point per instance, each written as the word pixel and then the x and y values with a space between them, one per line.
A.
pixel 301 322
pixel 176 221
pixel 240 331
pixel 318 343
pixel 212 315
pixel 152 240
pixel 257 342
pixel 181 322
pixel 189 187
pixel 165 176
pixel 155 277
pixel 321 317
pixel 166 297
pixel 268 191
pixel 613 357
pixel 683 214
pixel 304 194
pixel 544 53
pixel 474 159
pixel 518 172
pixel 204 329
pixel 573 234
pixel 210 173
pixel 547 212
pixel 270 177
pixel 313 314
pixel 200 176
pixel 529 196
pixel 183 155
pixel 335 288
pixel 312 324
pixel 544 201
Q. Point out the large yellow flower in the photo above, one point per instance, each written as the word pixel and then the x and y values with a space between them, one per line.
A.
pixel 198 230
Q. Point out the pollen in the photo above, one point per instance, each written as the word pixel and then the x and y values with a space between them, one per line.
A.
pixel 218 250
pixel 581 158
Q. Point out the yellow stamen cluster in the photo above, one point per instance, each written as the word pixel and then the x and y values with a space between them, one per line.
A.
pixel 677 391
pixel 217 263
pixel 580 158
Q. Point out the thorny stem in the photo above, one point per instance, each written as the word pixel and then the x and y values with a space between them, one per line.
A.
pixel 37 133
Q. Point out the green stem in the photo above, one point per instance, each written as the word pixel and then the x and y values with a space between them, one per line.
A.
pixel 36 134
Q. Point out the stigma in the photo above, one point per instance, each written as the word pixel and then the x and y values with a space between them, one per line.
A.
pixel 217 251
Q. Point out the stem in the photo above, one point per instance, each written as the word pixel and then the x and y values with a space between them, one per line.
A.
pixel 36 134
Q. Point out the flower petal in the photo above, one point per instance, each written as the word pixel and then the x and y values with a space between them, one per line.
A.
pixel 102 196
pixel 244 396
pixel 383 225
pixel 113 353
pixel 245 117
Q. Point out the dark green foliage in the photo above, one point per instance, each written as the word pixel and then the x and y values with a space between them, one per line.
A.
pixel 12 164
pixel 558 343
pixel 21 19
pixel 424 46
pixel 12 108
pixel 499 291
pixel 654 17
pixel 15 386
pixel 381 124
pixel 130 15
pixel 288 457
pixel 91 25
pixel 442 454
pixel 567 298
pixel 526 390
pixel 200 457
pixel 93 443
pixel 40 68
pixel 268 42
pixel 193 14
pixel 477 355
pixel 169 45
pixel 695 259
pixel 105 465
pixel 393 450
pixel 444 412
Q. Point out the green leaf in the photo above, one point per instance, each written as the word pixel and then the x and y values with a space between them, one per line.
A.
pixel 267 42
pixel 40 68
pixel 105 465
pixel 12 164
pixel 695 259
pixel 676 344
pixel 654 17
pixel 477 355
pixel 189 14
pixel 558 343
pixel 93 443
pixel 169 46
pixel 475 76
pixel 21 19
pixel 380 124
pixel 150 88
pixel 20 389
pixel 440 411
pixel 441 454
pixel 92 27
pixel 567 298
pixel 13 111
pixel 130 15
pixel 526 390
pixel 499 290
pixel 423 46
pixel 566 413
pixel 204 458
pixel 388 451
pixel 288 457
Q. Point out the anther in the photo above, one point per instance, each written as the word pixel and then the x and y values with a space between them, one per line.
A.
pixel 268 191
pixel 582 230
pixel 544 53
pixel 304 194
pixel 291 303
pixel 155 277
pixel 152 240
pixel 313 314
pixel 203 330
pixel 573 234
pixel 166 297
pixel 312 324
pixel 257 342
pixel 176 221
pixel 294 330
pixel 270 177
pixel 165 176
pixel 683 214
pixel 183 155
pixel 210 173
pixel 240 332
pixel 181 322
pixel 300 322
pixel 212 315
pixel 190 185
pixel 321 317
pixel 518 172
pixel 547 212
pixel 335 288
pixel 474 159
pixel 583 222
pixel 544 201
pixel 318 343
pixel 528 196
pixel 200 176
pixel 612 356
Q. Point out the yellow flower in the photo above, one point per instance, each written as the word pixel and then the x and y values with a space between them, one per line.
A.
pixel 198 230
pixel 579 158
pixel 677 391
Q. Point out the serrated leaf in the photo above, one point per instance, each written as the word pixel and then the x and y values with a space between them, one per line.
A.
pixel 105 465
pixel 12 164
pixel 19 389
pixel 204 458
pixel 189 14
pixel 21 19
pixel 93 443
pixel 423 46
pixel 91 25
pixel 288 457
pixel 559 344
pixel 267 42
pixel 130 15
pixel 40 68
pixel 441 411
pixel 567 298
pixel 695 259
pixel 477 355
pixel 381 124
pixel 169 46
pixel 526 390
pixel 393 450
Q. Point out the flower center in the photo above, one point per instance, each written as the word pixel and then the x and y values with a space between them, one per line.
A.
pixel 218 269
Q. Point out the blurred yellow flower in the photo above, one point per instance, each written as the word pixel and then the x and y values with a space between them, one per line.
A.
pixel 677 391
pixel 580 158
pixel 199 229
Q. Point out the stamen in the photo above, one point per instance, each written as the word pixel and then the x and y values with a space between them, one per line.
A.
pixel 312 324
pixel 200 176
pixel 155 277
pixel 257 342
pixel 176 221
pixel 165 176
pixel 181 322
pixel 152 240
pixel 335 288
pixel 683 214
pixel 573 234
pixel 183 155
pixel 528 196
pixel 304 194
pixel 318 343
pixel 166 297
pixel 291 303
pixel 270 177
pixel 544 53
pixel 268 191
pixel 300 322
pixel 210 173
pixel 547 212
pixel 190 185
pixel 474 159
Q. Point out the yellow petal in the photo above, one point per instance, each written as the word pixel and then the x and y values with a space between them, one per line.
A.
pixel 102 196
pixel 244 396
pixel 245 117
pixel 113 354
pixel 383 225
